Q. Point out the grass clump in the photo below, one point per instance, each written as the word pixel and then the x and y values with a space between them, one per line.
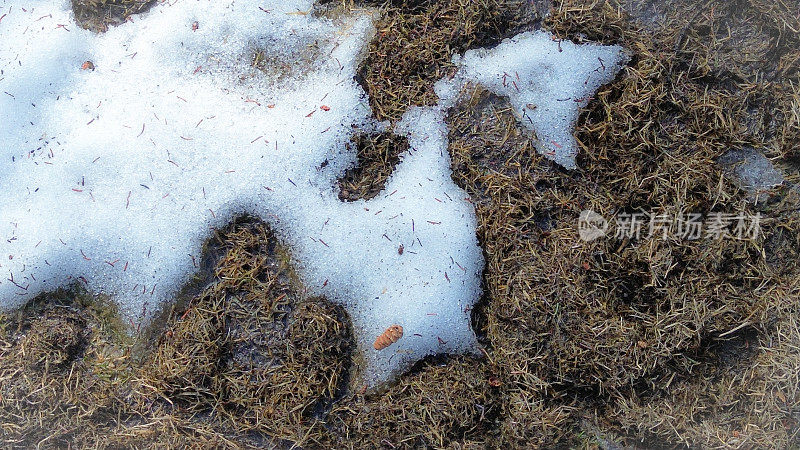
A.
pixel 412 50
pixel 97 15
pixel 437 406
pixel 251 356
pixel 64 369
pixel 416 40
pixel 377 155
pixel 250 361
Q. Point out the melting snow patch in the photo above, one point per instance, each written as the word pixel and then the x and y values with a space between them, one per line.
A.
pixel 113 175
pixel 547 81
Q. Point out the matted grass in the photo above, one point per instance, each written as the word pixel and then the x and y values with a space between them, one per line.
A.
pixel 416 40
pixel 377 155
pixel 97 15
pixel 638 342
pixel 64 372
pixel 252 356
pixel 659 342
pixel 251 359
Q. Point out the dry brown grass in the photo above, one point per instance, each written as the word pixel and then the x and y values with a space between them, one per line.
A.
pixel 97 15
pixel 252 354
pixel 618 323
pixel 377 155
pixel 416 40
pixel 643 342
pixel 64 372
pixel 251 359
pixel 436 406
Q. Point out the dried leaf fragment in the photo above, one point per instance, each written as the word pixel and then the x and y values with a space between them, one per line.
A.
pixel 389 337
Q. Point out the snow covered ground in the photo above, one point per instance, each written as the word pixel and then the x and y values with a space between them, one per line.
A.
pixel 113 173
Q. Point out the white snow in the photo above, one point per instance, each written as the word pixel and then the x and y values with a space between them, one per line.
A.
pixel 113 178
pixel 547 81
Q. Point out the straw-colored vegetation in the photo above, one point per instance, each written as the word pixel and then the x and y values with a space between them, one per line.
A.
pixel 97 15
pixel 377 155
pixel 639 342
